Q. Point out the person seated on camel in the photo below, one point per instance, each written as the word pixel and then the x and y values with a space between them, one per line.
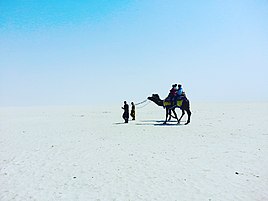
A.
pixel 172 93
pixel 173 90
pixel 180 92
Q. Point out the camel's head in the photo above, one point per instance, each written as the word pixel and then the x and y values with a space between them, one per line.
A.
pixel 154 96
pixel 156 99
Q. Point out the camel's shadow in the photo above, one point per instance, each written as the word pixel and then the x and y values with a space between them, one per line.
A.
pixel 159 123
pixel 153 123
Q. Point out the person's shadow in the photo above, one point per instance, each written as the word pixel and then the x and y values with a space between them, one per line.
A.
pixel 119 123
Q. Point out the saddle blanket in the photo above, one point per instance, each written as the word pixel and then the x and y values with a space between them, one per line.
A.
pixel 169 103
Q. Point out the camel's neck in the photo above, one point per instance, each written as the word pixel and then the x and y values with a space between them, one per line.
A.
pixel 156 100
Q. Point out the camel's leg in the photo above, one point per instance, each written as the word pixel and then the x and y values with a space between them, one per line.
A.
pixel 189 116
pixel 175 114
pixel 167 114
pixel 183 112
pixel 170 115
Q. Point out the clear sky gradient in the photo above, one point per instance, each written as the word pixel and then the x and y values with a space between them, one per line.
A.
pixel 68 52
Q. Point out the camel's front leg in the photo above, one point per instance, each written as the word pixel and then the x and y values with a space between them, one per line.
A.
pixel 167 114
pixel 175 114
pixel 183 112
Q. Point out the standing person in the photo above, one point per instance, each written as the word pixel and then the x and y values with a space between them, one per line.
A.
pixel 126 112
pixel 132 113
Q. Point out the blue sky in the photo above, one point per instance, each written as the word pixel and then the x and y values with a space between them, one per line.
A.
pixel 68 52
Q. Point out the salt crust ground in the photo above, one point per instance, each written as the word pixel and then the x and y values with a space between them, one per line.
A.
pixel 87 153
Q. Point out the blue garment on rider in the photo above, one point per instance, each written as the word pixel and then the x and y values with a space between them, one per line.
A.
pixel 179 92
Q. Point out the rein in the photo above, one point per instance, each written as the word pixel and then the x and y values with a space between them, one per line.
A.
pixel 142 103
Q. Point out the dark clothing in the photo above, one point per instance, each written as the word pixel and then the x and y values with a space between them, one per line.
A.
pixel 173 92
pixel 172 95
pixel 126 112
pixel 132 113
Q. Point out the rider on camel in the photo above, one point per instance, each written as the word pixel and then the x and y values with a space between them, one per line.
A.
pixel 180 91
pixel 172 93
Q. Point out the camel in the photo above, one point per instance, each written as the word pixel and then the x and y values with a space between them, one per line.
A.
pixel 183 104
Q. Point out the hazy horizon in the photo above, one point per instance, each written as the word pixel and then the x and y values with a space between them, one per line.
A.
pixel 88 52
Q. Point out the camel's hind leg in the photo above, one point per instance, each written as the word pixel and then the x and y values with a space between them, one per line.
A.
pixel 189 116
